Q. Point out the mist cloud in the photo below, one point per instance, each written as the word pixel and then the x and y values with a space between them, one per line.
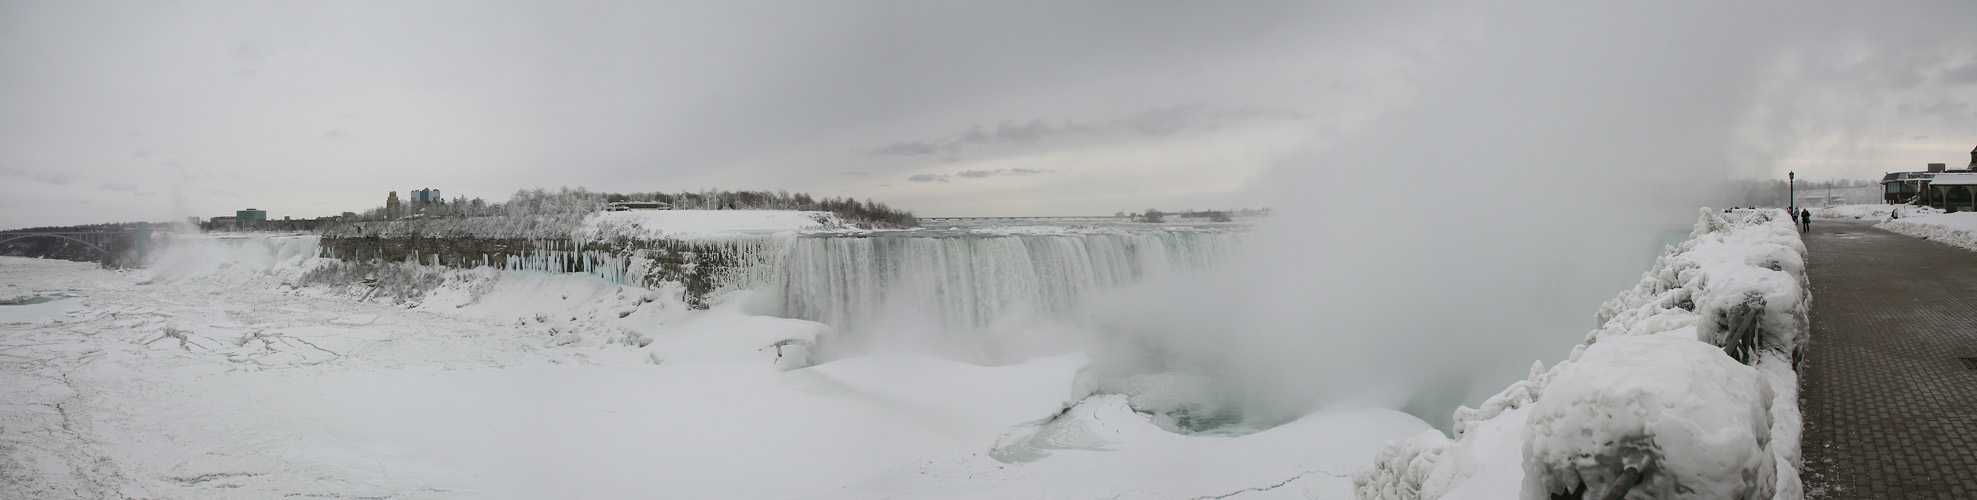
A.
pixel 1438 251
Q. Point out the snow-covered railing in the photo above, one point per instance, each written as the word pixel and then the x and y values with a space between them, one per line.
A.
pixel 1655 390
pixel 1741 344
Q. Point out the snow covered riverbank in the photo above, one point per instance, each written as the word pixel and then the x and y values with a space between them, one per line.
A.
pixel 218 374
pixel 1650 390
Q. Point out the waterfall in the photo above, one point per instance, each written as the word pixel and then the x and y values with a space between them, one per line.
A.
pixel 958 282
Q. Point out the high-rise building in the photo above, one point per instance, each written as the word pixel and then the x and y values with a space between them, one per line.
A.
pixel 427 195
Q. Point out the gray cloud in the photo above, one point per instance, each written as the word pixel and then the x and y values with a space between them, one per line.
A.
pixel 909 148
pixel 1939 108
pixel 116 186
pixel 1158 121
pixel 975 174
pixel 50 178
pixel 492 97
pixel 1031 133
pixel 1961 75
pixel 1163 121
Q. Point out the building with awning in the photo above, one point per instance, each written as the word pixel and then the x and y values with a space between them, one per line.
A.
pixel 1937 187
pixel 1952 191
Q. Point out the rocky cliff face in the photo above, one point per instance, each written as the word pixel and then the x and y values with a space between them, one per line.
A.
pixel 703 267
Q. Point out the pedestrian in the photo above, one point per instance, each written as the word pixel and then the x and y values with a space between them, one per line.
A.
pixel 1805 220
pixel 1794 211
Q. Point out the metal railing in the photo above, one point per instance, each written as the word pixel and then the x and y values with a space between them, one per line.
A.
pixel 1741 343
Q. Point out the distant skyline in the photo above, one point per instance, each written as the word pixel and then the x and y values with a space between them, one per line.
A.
pixel 123 111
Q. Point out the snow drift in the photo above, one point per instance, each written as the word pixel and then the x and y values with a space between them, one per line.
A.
pixel 1958 229
pixel 1652 389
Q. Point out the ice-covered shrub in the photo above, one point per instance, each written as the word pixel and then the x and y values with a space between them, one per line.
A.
pixel 1652 387
pixel 1693 422
pixel 397 282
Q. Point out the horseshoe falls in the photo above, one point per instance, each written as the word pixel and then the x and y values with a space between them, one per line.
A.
pixel 971 290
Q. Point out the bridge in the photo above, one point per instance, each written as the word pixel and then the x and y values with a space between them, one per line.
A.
pixel 94 240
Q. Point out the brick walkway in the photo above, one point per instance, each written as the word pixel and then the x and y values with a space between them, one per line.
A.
pixel 1890 409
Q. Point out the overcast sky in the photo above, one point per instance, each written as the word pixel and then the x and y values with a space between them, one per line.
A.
pixel 160 110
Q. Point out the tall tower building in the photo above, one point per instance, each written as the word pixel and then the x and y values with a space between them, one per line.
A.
pixel 391 205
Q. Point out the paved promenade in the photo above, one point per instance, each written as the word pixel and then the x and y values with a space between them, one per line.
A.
pixel 1890 404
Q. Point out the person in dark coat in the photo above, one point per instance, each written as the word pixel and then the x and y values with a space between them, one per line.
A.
pixel 1805 220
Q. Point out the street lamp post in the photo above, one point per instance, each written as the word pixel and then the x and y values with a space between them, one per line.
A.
pixel 1791 191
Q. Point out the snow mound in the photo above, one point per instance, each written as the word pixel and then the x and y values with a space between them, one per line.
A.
pixel 702 224
pixel 1958 229
pixel 1691 419
pixel 1652 388
pixel 13 295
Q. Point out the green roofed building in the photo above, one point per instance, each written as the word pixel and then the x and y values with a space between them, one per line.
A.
pixel 250 216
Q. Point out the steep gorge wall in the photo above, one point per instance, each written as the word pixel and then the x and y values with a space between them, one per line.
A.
pixel 702 267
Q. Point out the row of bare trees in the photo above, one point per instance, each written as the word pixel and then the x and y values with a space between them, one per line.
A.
pixel 545 213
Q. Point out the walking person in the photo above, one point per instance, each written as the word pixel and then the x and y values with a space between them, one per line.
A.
pixel 1805 220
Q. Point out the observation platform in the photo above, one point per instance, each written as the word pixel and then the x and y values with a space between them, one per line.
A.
pixel 1890 373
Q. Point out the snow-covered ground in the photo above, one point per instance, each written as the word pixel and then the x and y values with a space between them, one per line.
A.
pixel 220 372
pixel 1649 390
pixel 1959 229
pixel 1872 211
pixel 217 374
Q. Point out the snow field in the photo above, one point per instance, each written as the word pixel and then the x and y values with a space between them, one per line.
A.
pixel 1650 389
pixel 1876 211
pixel 219 374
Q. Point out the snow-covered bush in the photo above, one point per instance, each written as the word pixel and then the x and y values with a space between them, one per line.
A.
pixel 394 282
pixel 1651 388
pixel 1693 422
